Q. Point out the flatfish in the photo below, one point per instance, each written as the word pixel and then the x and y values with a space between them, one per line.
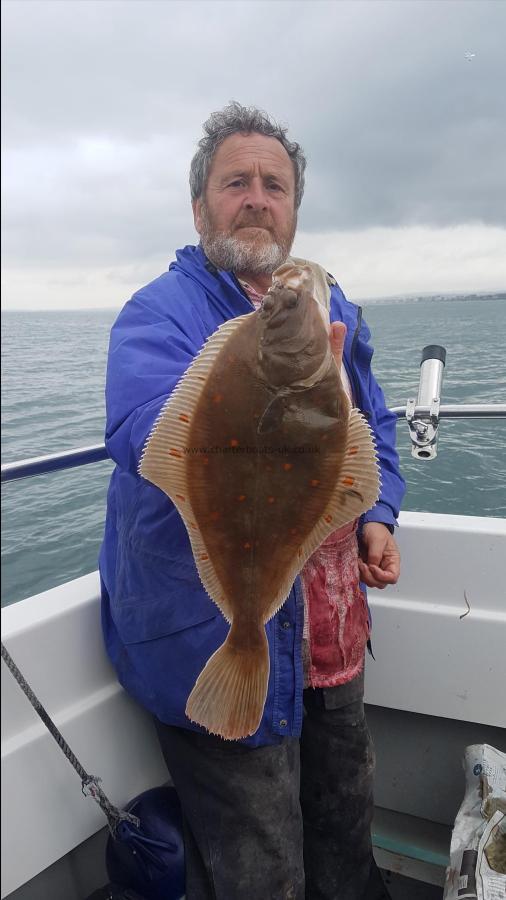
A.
pixel 263 457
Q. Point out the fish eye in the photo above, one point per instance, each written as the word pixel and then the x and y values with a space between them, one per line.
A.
pixel 290 299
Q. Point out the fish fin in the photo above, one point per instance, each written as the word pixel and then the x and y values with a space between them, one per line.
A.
pixel 356 491
pixel 164 451
pixel 163 459
pixel 229 695
pixel 358 484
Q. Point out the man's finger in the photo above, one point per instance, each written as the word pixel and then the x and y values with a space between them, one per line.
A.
pixel 375 549
pixel 367 577
pixel 337 337
pixel 387 576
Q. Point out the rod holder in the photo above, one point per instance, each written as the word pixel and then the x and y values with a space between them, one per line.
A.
pixel 423 427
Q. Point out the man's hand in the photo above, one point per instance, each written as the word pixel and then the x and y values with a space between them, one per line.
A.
pixel 380 561
pixel 380 558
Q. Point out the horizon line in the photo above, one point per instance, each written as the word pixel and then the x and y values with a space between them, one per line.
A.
pixel 412 295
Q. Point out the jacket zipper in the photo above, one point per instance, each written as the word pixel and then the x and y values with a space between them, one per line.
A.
pixel 356 386
pixel 211 268
pixel 241 289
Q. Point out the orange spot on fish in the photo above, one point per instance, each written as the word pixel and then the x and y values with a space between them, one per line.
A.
pixel 204 556
pixel 314 482
pixel 247 545
pixel 348 480
pixel 241 497
pixel 328 518
pixel 205 461
pixel 299 552
pixel 217 398
pixel 180 497
pixel 234 442
pixel 270 499
pixel 215 516
pixel 287 467
pixel 352 451
pixel 184 418
pixel 174 452
pixel 201 378
pixel 192 525
pixel 293 530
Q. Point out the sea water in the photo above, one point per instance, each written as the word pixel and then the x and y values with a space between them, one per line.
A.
pixel 53 399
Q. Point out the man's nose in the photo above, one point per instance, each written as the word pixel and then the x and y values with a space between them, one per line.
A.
pixel 257 196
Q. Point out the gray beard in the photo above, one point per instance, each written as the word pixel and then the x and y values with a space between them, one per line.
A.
pixel 234 255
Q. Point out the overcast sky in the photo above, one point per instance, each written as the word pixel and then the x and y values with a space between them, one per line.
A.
pixel 399 105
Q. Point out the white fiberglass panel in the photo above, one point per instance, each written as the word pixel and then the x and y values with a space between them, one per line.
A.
pixel 439 635
pixel 55 639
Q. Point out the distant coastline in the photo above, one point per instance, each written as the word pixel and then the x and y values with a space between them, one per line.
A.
pixel 434 298
pixel 363 301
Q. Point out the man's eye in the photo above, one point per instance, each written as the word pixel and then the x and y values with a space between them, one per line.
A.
pixel 274 187
pixel 238 183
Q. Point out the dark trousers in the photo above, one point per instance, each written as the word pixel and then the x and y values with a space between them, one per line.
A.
pixel 283 822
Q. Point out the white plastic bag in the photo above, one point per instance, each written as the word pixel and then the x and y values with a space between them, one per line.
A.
pixel 477 869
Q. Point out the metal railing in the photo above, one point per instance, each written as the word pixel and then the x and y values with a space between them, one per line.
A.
pixel 53 462
pixel 68 459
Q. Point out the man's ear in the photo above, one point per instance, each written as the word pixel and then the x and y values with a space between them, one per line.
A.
pixel 197 214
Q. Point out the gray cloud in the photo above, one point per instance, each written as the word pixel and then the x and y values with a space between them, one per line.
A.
pixel 103 102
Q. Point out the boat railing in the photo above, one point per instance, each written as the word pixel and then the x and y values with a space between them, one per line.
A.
pixel 53 462
pixel 80 456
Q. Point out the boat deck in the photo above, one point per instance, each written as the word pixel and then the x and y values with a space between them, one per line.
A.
pixel 433 688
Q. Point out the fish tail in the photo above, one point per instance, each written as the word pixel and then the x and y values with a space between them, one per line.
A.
pixel 229 695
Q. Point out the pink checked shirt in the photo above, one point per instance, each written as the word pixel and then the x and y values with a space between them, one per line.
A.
pixel 336 621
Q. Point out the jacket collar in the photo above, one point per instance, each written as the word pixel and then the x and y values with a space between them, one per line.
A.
pixel 222 286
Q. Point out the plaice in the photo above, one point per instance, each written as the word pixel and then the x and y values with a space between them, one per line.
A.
pixel 261 454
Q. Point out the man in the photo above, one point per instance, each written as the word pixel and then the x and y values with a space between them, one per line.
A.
pixel 286 812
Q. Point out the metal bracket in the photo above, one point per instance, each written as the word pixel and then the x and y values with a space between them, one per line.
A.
pixel 423 430
pixel 410 409
pixel 434 411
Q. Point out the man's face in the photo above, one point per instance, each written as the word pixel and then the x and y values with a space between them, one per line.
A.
pixel 247 219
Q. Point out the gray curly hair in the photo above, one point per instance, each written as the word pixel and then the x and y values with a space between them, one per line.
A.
pixel 238 119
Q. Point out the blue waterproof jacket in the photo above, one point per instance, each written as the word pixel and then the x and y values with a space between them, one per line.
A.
pixel 160 626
